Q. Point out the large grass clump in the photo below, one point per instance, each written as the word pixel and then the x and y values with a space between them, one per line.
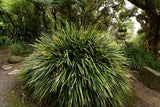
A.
pixel 75 68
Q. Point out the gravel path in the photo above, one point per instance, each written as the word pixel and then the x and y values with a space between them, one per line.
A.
pixel 6 82
pixel 148 97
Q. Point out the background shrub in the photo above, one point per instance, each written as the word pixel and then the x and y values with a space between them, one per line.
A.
pixel 4 41
pixel 20 48
pixel 139 58
pixel 76 68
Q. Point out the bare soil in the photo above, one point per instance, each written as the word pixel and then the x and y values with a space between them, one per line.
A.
pixel 6 82
pixel 146 97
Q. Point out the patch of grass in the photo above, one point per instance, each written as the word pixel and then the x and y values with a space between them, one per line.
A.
pixel 131 100
pixel 139 58
pixel 4 41
pixel 20 48
pixel 16 101
pixel 14 98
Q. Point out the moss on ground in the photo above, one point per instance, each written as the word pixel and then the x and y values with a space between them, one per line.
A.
pixel 14 98
pixel 15 101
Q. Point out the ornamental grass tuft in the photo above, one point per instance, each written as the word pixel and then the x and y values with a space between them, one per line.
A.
pixel 75 68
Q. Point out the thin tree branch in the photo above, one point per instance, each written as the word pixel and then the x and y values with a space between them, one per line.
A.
pixel 103 11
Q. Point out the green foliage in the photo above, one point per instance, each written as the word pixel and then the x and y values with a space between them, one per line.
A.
pixel 139 58
pixel 24 20
pixel 81 13
pixel 122 30
pixel 140 31
pixel 137 39
pixel 19 48
pixel 74 68
pixel 16 101
pixel 4 41
pixel 21 20
pixel 1 21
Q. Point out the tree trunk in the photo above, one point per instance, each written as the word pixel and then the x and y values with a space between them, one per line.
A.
pixel 152 38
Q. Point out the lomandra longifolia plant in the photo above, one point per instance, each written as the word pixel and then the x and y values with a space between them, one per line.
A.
pixel 76 68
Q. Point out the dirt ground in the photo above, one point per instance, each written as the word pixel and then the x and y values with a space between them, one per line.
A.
pixel 6 82
pixel 146 97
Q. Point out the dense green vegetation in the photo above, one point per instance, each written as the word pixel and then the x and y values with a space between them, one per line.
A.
pixel 139 58
pixel 83 62
pixel 149 20
pixel 20 48
pixel 74 67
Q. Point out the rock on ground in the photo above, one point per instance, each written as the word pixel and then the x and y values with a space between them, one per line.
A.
pixel 7 67
pixel 15 59
pixel 14 72
pixel 149 97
